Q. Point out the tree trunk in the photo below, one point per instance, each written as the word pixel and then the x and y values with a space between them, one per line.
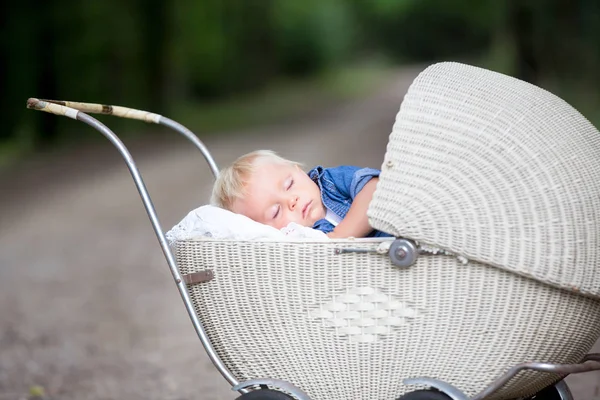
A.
pixel 521 24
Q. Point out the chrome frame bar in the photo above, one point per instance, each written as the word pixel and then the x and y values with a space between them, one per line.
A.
pixel 192 138
pixel 590 362
pixel 150 210
pixel 130 113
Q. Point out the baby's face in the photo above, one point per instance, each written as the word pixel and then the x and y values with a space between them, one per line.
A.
pixel 279 194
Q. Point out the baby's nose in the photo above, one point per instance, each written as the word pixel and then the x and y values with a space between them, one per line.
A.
pixel 293 202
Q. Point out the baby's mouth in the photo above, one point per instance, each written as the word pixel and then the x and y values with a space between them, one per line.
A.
pixel 305 209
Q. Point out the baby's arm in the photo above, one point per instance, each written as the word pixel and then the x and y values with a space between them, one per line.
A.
pixel 356 223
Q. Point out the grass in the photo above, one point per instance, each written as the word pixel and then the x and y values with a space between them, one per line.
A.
pixel 280 101
pixel 10 152
pixel 283 100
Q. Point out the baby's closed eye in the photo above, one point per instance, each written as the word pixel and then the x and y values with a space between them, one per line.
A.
pixel 276 210
pixel 289 183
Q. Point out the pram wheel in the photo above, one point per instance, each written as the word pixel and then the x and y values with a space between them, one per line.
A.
pixel 560 391
pixel 425 395
pixel 264 394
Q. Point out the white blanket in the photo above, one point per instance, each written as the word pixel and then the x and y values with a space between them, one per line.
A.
pixel 214 222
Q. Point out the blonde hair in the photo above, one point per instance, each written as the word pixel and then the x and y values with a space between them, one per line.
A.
pixel 231 182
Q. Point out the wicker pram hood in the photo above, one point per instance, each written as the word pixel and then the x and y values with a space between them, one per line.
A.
pixel 496 170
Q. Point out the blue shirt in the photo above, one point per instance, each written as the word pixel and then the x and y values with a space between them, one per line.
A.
pixel 339 186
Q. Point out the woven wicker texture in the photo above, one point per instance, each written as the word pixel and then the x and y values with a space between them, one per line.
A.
pixel 497 170
pixel 352 326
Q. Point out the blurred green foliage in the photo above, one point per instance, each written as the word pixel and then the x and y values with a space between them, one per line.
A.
pixel 159 55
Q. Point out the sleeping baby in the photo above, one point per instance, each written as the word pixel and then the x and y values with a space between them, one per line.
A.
pixel 276 192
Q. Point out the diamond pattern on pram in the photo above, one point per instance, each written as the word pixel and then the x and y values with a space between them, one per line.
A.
pixel 364 314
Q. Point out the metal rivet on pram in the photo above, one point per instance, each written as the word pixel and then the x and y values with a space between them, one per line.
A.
pixel 403 253
pixel 198 277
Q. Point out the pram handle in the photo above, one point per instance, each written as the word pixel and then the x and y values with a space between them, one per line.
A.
pixel 117 111
pixel 52 108
pixel 70 108
pixel 64 110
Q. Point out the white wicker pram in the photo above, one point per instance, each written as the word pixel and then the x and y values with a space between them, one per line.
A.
pixel 492 187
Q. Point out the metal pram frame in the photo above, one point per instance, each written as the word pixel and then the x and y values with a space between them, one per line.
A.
pixel 403 253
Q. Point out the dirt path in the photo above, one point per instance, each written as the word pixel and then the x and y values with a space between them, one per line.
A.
pixel 88 309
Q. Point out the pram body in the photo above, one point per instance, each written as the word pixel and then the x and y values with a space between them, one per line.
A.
pixel 491 187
